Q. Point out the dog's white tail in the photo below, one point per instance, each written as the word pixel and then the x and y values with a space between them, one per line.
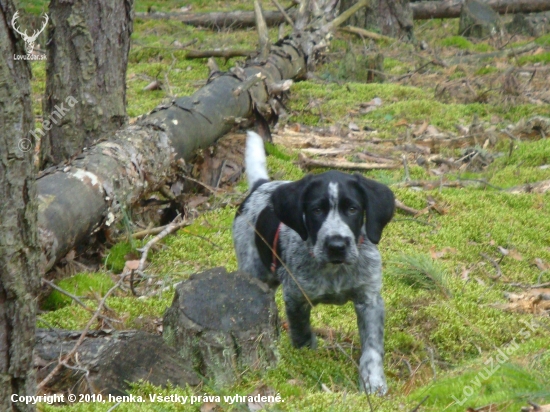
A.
pixel 254 159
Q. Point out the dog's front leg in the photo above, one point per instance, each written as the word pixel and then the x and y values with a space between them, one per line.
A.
pixel 370 320
pixel 298 313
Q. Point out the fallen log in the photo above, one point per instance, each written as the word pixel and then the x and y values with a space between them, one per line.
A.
pixel 106 362
pixel 423 10
pixel 91 192
pixel 308 163
pixel 220 20
pixel 451 9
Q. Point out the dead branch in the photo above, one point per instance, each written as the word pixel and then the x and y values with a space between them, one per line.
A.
pixel 226 53
pixel 494 263
pixel 365 33
pixel 172 227
pixel 283 12
pixel 408 210
pixel 338 21
pixel 309 163
pixel 482 56
pixel 263 34
pixel 77 300
pixel 426 10
pixel 63 360
pixel 248 83
pixel 537 187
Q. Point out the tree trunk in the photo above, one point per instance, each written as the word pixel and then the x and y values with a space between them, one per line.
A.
pixel 19 280
pixel 85 75
pixel 392 18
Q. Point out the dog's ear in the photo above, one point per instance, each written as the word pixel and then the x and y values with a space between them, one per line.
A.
pixel 379 204
pixel 288 205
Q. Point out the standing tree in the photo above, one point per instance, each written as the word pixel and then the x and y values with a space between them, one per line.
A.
pixel 19 280
pixel 389 17
pixel 88 44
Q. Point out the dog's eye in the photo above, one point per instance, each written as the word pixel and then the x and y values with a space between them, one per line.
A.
pixel 317 211
pixel 352 210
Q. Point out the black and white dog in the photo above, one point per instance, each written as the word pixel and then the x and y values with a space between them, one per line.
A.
pixel 317 237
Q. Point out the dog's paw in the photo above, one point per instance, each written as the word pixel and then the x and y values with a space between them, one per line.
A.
pixel 372 373
pixel 374 384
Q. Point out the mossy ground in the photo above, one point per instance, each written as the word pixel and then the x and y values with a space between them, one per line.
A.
pixel 446 339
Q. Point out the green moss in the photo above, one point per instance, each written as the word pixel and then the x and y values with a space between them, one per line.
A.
pixel 486 70
pixel 535 58
pixel 115 259
pixel 544 40
pixel 81 285
pixel 456 41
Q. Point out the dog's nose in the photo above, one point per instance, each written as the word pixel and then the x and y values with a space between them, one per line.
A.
pixel 336 248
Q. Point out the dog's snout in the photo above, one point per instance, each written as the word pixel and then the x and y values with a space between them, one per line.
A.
pixel 337 247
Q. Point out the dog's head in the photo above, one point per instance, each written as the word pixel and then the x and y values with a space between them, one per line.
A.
pixel 329 211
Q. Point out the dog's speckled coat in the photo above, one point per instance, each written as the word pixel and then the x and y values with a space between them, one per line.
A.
pixel 327 249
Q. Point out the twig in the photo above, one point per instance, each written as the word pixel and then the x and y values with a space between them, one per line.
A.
pixel 69 355
pixel 210 188
pixel 77 300
pixel 521 285
pixel 284 13
pixel 309 163
pixel 406 167
pixel 492 262
pixel 415 409
pixel 169 229
pixel 365 33
pixel 409 210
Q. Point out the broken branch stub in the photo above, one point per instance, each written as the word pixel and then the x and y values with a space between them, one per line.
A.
pixel 224 323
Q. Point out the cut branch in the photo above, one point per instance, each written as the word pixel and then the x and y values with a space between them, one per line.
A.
pixel 365 33
pixel 263 34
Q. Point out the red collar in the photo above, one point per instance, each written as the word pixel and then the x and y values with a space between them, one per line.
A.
pixel 274 249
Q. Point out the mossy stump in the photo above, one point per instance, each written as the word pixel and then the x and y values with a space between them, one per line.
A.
pixel 478 20
pixel 224 323
pixel 534 24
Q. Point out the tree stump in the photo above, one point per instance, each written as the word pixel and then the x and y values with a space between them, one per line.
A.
pixel 533 24
pixel 478 20
pixel 112 360
pixel 224 323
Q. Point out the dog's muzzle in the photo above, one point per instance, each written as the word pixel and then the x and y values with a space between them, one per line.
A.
pixel 336 248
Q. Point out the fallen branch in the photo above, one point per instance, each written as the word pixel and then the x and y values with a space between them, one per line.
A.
pixel 408 210
pixel 365 33
pixel 537 187
pixel 426 10
pixel 482 56
pixel 172 227
pixel 226 53
pixel 309 163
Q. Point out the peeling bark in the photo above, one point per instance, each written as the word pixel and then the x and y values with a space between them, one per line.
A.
pixel 88 44
pixel 19 280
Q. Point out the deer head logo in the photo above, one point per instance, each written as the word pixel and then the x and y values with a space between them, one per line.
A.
pixel 29 40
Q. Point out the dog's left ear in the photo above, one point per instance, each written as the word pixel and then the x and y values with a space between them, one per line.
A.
pixel 379 204
pixel 288 205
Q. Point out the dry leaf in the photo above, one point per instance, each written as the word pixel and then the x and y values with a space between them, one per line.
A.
pixel 209 407
pixel 442 252
pixel 353 127
pixel 541 264
pixel 465 275
pixel 420 131
pixel 402 122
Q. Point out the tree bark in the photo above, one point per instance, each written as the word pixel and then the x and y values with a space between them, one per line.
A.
pixel 87 59
pixel 111 359
pixel 392 18
pixel 19 280
pixel 451 9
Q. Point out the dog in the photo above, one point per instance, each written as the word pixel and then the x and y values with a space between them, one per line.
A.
pixel 317 238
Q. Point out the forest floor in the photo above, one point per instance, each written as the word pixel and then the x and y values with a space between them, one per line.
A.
pixel 464 327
